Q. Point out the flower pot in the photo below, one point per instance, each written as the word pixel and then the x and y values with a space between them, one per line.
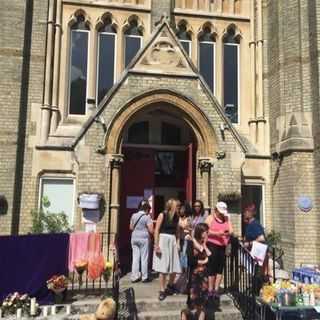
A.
pixel 58 298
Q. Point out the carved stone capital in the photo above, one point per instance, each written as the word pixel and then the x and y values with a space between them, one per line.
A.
pixel 205 164
pixel 116 160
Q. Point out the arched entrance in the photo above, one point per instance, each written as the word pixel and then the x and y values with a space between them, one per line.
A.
pixel 164 145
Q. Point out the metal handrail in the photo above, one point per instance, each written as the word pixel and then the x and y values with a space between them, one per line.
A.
pixel 243 278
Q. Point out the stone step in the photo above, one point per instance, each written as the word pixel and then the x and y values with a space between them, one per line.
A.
pixel 172 303
pixel 230 313
pixel 169 304
pixel 161 315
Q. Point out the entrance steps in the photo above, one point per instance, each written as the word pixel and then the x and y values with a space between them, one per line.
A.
pixel 141 302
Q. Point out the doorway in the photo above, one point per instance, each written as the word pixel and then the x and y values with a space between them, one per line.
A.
pixel 253 194
pixel 159 163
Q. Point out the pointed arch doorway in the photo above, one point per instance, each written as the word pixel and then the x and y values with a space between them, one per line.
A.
pixel 165 145
pixel 159 152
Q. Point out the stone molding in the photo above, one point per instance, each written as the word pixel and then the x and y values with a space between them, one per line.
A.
pixel 190 113
pixel 205 164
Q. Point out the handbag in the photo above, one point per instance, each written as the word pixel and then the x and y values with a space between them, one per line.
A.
pixel 182 283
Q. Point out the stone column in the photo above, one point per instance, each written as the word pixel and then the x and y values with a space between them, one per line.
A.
pixel 56 69
pixel 205 165
pixel 115 164
pixel 46 109
pixel 219 70
pixel 261 124
pixel 120 47
pixel 252 46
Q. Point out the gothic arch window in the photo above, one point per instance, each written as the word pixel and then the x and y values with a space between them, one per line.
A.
pixel 231 71
pixel 78 75
pixel 170 134
pixel 132 39
pixel 107 35
pixel 138 133
pixel 207 56
pixel 185 37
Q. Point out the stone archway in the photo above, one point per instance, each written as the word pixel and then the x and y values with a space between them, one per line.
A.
pixel 189 112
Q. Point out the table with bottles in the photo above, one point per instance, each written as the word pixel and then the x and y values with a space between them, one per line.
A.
pixel 272 311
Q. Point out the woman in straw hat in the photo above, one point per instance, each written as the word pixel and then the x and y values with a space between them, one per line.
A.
pixel 220 229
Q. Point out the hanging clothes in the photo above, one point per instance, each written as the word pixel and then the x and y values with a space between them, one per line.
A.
pixel 95 257
pixel 78 248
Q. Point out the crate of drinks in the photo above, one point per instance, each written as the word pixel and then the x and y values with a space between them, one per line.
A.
pixel 306 275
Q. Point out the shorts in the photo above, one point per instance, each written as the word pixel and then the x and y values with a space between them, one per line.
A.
pixel 217 259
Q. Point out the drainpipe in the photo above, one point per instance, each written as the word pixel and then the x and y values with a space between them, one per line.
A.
pixel 45 108
pixel 56 69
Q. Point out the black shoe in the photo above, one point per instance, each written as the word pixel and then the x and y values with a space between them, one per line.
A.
pixel 146 280
pixel 162 295
pixel 171 290
pixel 135 281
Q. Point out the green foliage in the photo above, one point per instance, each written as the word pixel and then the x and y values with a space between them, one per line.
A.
pixel 273 238
pixel 44 221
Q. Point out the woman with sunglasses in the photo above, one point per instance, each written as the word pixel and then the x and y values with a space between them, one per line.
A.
pixel 198 214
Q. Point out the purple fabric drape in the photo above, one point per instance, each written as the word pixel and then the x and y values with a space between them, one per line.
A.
pixel 28 261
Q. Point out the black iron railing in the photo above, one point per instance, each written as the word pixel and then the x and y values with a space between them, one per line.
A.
pixel 243 278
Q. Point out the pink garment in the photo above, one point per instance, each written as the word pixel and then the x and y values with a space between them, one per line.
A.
pixel 95 257
pixel 217 226
pixel 78 248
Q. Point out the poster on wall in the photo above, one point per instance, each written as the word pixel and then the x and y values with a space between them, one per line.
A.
pixel 165 163
pixel 133 202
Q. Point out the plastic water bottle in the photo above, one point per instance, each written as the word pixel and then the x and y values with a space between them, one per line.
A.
pixel 306 299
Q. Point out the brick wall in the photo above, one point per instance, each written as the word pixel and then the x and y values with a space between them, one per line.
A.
pixel 22 49
pixel 92 176
pixel 12 15
pixel 291 85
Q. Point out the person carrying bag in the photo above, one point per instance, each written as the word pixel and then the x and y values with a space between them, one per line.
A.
pixel 141 226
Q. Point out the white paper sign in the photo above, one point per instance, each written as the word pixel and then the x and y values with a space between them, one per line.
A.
pixel 90 227
pixel 259 251
pixel 133 202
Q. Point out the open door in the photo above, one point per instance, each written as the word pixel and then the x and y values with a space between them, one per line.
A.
pixel 137 179
pixel 190 173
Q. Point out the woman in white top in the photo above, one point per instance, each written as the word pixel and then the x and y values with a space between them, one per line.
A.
pixel 141 226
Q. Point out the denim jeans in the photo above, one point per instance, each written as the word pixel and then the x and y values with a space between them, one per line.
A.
pixel 140 256
pixel 183 254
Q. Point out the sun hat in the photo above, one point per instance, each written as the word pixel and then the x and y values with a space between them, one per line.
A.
pixel 222 207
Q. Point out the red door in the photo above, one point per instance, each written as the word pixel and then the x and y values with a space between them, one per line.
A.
pixel 190 173
pixel 137 179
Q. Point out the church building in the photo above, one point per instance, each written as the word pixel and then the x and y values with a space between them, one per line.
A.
pixel 191 99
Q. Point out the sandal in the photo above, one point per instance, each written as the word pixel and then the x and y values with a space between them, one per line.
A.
pixel 170 290
pixel 162 295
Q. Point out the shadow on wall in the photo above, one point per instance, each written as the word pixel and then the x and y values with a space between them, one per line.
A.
pixel 25 73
